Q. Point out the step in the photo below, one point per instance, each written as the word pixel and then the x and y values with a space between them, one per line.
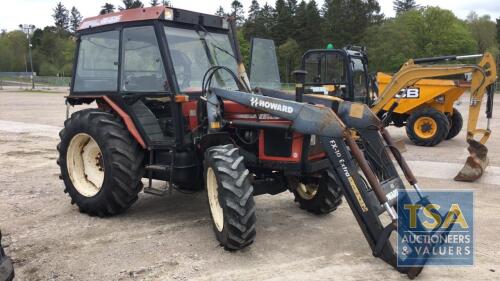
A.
pixel 157 168
pixel 155 191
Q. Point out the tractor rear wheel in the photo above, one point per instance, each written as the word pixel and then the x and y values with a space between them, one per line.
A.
pixel 101 163
pixel 456 122
pixel 230 197
pixel 427 126
pixel 318 196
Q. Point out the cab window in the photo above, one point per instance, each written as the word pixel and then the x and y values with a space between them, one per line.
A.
pixel 142 69
pixel 97 65
pixel 325 68
pixel 359 80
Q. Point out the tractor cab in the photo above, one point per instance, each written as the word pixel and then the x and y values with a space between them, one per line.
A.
pixel 342 73
pixel 152 61
pixel 153 51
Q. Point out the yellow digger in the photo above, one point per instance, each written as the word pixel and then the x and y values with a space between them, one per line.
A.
pixel 412 97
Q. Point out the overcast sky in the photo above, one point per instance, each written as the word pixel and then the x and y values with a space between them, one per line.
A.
pixel 38 12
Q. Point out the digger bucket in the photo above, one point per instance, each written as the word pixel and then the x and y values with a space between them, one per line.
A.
pixel 476 162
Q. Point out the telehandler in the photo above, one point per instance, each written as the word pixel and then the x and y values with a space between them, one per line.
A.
pixel 174 104
pixel 412 97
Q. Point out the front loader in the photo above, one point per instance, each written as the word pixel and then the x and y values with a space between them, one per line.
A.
pixel 173 105
pixel 369 180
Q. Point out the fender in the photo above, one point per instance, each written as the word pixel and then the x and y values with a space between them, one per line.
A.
pixel 127 120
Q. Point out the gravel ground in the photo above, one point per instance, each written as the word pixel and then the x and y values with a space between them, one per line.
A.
pixel 170 237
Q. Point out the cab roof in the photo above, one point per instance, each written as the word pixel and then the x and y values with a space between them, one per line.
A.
pixel 154 13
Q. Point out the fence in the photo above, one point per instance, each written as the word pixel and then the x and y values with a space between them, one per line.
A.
pixel 23 80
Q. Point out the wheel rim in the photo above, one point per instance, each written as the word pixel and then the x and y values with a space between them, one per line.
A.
pixel 85 165
pixel 307 191
pixel 213 200
pixel 425 127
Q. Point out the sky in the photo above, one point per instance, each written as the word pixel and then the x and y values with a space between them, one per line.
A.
pixel 39 12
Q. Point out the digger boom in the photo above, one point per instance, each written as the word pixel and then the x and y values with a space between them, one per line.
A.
pixel 484 74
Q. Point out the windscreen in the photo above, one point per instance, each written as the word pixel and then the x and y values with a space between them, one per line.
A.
pixel 325 68
pixel 194 52
pixel 264 71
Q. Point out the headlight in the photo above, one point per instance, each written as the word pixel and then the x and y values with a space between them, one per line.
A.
pixel 439 99
pixel 169 14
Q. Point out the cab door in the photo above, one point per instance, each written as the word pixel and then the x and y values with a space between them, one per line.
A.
pixel 359 77
pixel 264 71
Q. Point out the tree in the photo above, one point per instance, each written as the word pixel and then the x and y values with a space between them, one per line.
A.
pixel 61 17
pixel 131 4
pixel 425 32
pixel 266 20
pixel 404 5
pixel 345 21
pixel 250 27
pixel 13 51
pixel 498 30
pixel 289 54
pixel 284 22
pixel 483 30
pixel 307 20
pixel 253 11
pixel 54 55
pixel 260 23
pixel 237 12
pixel 75 19
pixel 220 12
pixel 107 8
pixel 155 3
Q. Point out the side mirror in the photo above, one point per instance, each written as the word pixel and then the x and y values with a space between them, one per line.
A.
pixel 300 78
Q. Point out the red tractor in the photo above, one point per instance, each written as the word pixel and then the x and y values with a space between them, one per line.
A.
pixel 174 104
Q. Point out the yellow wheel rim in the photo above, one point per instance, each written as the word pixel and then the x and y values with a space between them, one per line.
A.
pixel 307 191
pixel 425 127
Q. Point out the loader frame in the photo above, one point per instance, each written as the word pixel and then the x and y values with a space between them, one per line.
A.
pixel 214 117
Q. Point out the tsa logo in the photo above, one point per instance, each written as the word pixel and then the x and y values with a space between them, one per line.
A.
pixel 439 232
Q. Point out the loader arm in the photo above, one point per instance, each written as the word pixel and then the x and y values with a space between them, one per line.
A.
pixel 369 195
pixel 484 74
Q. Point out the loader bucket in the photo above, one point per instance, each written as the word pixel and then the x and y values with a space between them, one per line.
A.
pixel 476 162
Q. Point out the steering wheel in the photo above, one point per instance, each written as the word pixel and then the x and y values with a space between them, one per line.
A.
pixel 182 66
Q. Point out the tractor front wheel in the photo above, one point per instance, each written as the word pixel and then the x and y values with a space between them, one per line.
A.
pixel 101 163
pixel 230 197
pixel 427 126
pixel 318 195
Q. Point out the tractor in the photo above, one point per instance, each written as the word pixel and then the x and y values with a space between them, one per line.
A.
pixel 174 104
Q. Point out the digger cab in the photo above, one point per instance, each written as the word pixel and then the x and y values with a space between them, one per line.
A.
pixel 342 73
